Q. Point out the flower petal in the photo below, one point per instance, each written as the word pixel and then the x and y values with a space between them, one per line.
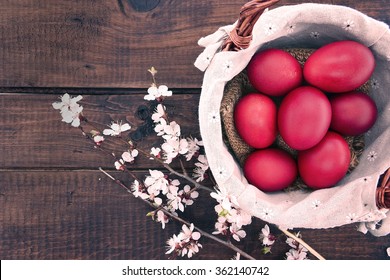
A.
pixel 108 132
pixel 196 235
pixel 125 127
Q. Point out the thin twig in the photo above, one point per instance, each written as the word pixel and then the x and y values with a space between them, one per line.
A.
pixel 182 168
pixel 183 175
pixel 166 212
pixel 303 243
pixel 170 169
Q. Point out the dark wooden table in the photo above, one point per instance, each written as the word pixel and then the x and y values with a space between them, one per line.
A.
pixel 54 203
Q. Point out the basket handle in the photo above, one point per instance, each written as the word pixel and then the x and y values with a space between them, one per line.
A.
pixel 241 36
pixel 383 192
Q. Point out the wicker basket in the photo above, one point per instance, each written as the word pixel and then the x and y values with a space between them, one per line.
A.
pixel 220 49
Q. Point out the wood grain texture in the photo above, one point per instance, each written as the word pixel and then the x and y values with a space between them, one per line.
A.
pixel 74 215
pixel 103 44
pixel 84 215
pixel 112 43
pixel 33 135
pixel 54 204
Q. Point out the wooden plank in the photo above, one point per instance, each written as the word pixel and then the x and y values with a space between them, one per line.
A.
pixel 33 135
pixel 84 215
pixel 111 43
pixel 379 9
pixel 74 215
pixel 104 43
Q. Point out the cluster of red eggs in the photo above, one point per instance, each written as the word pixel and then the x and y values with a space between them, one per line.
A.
pixel 319 105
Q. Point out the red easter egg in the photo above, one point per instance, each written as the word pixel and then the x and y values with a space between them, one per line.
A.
pixel 255 120
pixel 339 66
pixel 353 113
pixel 304 117
pixel 326 163
pixel 274 72
pixel 270 169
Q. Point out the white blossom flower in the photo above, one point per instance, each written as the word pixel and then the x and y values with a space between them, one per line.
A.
pixel 293 254
pixel 137 190
pixel 227 66
pixel 214 117
pixel 221 172
pixel 70 110
pixel 159 113
pixel 174 199
pixel 162 218
pixel 270 29
pixel 388 251
pixel 198 174
pixel 298 251
pixel 293 243
pixel 155 199
pixel 351 217
pixel 193 147
pixel 160 127
pixel 173 243
pixel 239 217
pixel 72 116
pixel 155 152
pixel 267 213
pixel 372 156
pixel 120 164
pixel 185 243
pixel 237 232
pixel 202 166
pixel 266 237
pixel 375 84
pixel 157 92
pixel 187 195
pixel 231 217
pixel 222 212
pixel 67 103
pixel 116 128
pixel 202 162
pixel 156 182
pixel 315 34
pixel 173 147
pixel 130 156
pixel 226 200
pixel 172 130
pixel 316 203
pixel 188 233
pixel 191 249
pixel 98 139
pixel 290 27
pixel 236 257
pixel 221 226
pixel 348 25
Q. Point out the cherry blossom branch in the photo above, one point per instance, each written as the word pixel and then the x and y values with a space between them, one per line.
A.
pixel 183 175
pixel 227 209
pixel 303 243
pixel 168 213
pixel 173 171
